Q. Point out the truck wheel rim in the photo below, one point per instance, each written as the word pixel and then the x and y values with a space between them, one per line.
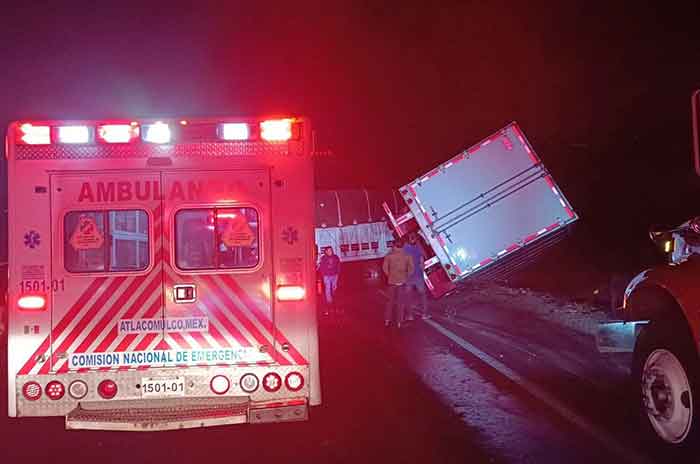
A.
pixel 666 396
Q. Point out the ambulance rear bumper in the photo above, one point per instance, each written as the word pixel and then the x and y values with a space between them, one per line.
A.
pixel 173 414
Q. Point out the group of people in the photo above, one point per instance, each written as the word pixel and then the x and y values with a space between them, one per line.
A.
pixel 403 268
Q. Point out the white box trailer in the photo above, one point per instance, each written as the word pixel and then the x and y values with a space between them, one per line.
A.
pixel 485 212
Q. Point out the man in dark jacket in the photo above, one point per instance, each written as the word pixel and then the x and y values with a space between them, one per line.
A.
pixel 416 281
pixel 329 267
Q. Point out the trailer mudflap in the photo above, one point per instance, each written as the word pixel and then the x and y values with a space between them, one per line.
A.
pixel 162 414
pixel 618 336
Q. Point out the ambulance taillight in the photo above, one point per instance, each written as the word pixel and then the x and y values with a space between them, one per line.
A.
pixel 107 389
pixel 78 389
pixel 220 384
pixel 55 390
pixel 32 302
pixel 31 391
pixel 291 293
pixel 294 381
pixel 272 382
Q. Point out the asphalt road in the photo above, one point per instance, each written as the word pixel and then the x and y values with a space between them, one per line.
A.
pixel 535 391
pixel 375 410
pixel 489 385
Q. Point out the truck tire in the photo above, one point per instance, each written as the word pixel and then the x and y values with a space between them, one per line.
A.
pixel 666 372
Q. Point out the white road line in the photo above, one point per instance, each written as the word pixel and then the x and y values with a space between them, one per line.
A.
pixel 491 333
pixel 543 396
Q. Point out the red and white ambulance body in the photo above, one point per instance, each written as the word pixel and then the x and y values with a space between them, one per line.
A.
pixel 158 272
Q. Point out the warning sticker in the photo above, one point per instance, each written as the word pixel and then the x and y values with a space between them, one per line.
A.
pixel 87 236
pixel 237 233
pixel 33 272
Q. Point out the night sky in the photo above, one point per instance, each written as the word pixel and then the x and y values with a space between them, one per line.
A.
pixel 601 91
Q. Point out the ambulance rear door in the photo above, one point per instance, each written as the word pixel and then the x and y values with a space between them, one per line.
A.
pixel 218 270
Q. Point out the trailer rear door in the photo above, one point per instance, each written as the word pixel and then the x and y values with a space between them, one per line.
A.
pixel 486 203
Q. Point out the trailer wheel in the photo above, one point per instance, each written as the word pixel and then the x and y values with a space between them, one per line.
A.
pixel 666 372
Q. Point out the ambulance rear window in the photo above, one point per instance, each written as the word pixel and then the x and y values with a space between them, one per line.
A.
pixel 106 241
pixel 217 238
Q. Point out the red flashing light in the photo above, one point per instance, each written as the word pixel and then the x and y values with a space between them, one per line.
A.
pixel 118 133
pixel 35 135
pixel 32 302
pixel 276 130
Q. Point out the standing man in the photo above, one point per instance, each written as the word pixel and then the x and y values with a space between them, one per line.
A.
pixel 416 281
pixel 398 267
pixel 329 267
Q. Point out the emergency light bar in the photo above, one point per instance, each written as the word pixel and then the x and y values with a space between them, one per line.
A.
pixel 74 134
pixel 35 135
pixel 159 132
pixel 234 131
pixel 118 133
pixel 277 130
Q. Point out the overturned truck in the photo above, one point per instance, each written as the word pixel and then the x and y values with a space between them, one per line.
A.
pixel 484 213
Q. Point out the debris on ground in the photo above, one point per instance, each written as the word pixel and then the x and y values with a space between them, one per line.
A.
pixel 581 316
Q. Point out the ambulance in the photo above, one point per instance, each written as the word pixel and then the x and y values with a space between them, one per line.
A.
pixel 161 272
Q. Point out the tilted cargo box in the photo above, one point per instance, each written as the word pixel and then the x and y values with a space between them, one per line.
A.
pixel 485 212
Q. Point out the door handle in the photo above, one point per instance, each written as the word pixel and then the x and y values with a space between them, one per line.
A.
pixel 184 293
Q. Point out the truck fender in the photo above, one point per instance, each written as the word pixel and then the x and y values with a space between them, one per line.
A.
pixel 648 300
